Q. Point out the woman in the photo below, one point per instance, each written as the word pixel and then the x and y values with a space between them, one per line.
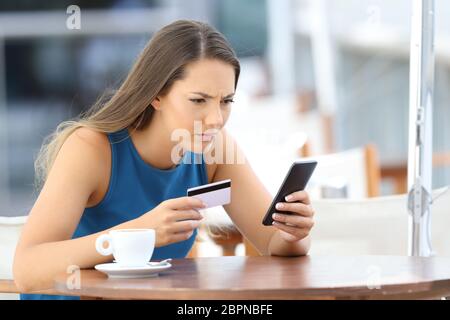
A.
pixel 114 168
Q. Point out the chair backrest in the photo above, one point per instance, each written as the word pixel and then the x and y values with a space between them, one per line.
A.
pixel 10 229
pixel 356 172
pixel 376 226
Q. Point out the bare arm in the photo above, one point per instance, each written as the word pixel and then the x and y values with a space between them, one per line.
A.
pixel 250 200
pixel 45 247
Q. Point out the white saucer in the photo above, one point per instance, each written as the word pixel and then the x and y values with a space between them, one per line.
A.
pixel 114 270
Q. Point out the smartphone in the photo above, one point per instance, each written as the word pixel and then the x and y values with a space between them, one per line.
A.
pixel 295 180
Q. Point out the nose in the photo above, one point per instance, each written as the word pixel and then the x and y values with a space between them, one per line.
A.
pixel 214 118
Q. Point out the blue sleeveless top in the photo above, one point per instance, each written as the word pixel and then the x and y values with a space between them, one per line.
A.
pixel 135 187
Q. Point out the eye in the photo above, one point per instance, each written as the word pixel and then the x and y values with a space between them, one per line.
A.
pixel 228 101
pixel 198 101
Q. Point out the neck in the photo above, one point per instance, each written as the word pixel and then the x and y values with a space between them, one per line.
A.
pixel 154 145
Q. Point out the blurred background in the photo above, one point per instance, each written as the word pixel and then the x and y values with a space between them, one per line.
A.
pixel 322 79
pixel 319 78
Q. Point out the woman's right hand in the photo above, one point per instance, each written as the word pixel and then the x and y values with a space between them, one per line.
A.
pixel 174 220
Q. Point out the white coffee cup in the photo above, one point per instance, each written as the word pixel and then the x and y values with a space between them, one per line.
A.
pixel 130 247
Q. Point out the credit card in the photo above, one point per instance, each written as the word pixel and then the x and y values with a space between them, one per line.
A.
pixel 212 194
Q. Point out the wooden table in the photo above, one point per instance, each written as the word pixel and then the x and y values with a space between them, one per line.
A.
pixel 308 277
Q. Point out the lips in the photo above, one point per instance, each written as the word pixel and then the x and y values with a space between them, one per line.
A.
pixel 206 137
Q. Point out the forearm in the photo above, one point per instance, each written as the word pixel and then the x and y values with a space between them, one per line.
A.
pixel 279 247
pixel 35 267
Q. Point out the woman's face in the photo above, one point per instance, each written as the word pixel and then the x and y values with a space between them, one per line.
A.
pixel 199 105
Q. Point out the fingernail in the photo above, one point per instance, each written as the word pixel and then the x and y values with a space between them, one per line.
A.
pixel 289 197
pixel 204 205
pixel 275 216
pixel 279 206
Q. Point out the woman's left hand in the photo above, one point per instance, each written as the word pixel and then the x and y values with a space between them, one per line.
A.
pixel 296 226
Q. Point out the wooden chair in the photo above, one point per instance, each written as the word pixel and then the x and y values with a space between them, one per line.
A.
pixel 362 161
pixel 357 168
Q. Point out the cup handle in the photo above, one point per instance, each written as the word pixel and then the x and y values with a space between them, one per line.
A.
pixel 99 245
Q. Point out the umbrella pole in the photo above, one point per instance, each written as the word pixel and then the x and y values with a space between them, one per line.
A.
pixel 420 146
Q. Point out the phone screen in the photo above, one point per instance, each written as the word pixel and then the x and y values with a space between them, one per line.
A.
pixel 296 179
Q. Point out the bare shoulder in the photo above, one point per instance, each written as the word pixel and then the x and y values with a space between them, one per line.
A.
pixel 87 152
pixel 89 137
pixel 85 146
pixel 86 142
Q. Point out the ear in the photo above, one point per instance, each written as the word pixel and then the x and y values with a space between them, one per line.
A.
pixel 156 103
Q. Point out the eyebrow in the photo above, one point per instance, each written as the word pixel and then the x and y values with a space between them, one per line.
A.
pixel 207 96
